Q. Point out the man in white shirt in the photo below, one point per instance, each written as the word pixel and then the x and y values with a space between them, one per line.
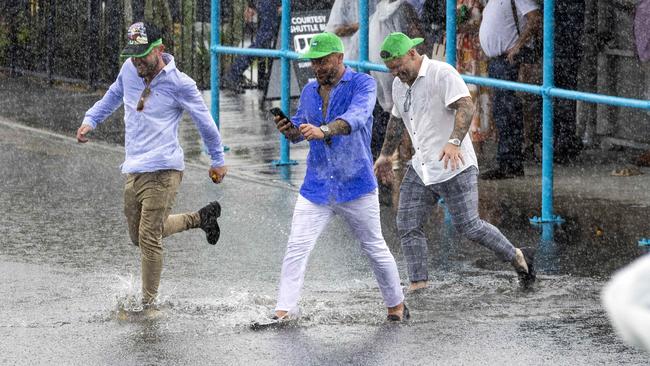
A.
pixel 434 104
pixel 503 38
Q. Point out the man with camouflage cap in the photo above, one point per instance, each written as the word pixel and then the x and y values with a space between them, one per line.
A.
pixel 155 94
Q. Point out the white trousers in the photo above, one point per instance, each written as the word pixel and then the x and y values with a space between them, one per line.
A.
pixel 309 221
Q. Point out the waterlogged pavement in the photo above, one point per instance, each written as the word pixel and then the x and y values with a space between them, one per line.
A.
pixel 69 275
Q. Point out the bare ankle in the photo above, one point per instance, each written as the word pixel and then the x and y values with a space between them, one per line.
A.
pixel 399 308
pixel 519 261
pixel 418 285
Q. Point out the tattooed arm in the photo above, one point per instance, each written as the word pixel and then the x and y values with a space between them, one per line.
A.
pixel 464 112
pixel 394 132
pixel 339 127
pixel 451 153
pixel 384 165
pixel 311 132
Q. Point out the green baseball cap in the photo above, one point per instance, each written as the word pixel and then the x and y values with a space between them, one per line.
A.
pixel 397 45
pixel 322 45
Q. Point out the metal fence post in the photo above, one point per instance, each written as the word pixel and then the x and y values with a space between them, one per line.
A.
pixel 363 34
pixel 547 118
pixel 215 39
pixel 285 89
pixel 451 32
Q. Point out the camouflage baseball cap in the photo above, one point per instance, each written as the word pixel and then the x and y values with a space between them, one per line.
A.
pixel 142 37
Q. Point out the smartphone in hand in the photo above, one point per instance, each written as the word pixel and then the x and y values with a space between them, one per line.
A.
pixel 278 113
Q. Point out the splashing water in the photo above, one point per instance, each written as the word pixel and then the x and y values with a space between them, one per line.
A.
pixel 127 295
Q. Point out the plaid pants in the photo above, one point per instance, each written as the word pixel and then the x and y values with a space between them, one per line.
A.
pixel 460 194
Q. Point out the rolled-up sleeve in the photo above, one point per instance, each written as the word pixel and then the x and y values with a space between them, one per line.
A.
pixel 362 104
pixel 191 100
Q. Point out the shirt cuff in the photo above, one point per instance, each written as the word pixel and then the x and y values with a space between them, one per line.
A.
pixel 218 162
pixel 89 122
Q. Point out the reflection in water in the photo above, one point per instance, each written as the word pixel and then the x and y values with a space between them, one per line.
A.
pixel 285 172
pixel 448 241
pixel 546 258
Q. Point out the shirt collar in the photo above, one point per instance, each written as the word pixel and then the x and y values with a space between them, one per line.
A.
pixel 424 67
pixel 169 61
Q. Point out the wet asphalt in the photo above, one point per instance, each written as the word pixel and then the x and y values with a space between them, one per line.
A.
pixel 68 271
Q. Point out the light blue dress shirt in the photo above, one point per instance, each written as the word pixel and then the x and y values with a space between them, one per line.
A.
pixel 151 135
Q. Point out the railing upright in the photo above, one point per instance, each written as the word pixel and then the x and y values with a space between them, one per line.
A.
pixel 215 40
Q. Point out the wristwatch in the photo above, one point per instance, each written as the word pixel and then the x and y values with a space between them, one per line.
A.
pixel 455 142
pixel 326 132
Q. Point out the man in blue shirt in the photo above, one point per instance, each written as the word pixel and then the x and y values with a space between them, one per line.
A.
pixel 155 94
pixel 335 116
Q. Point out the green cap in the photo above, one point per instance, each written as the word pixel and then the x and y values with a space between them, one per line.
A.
pixel 397 45
pixel 322 45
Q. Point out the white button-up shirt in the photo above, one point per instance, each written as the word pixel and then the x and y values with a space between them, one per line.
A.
pixel 430 121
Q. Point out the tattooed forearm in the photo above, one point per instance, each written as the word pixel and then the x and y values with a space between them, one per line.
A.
pixel 293 134
pixel 464 111
pixel 339 127
pixel 394 131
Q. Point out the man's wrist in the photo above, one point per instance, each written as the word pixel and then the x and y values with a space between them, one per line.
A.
pixel 325 129
pixel 454 141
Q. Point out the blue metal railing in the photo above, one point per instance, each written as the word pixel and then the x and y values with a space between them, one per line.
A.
pixel 546 90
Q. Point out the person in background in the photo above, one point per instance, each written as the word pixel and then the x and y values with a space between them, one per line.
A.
pixel 344 22
pixel 472 61
pixel 505 32
pixel 268 22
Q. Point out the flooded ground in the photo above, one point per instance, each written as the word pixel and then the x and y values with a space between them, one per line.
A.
pixel 67 266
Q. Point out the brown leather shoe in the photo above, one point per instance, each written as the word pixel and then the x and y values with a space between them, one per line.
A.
pixel 397 317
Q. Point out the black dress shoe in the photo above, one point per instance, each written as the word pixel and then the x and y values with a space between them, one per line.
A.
pixel 209 215
pixel 502 173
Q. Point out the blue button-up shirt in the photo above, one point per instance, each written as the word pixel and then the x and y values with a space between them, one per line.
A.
pixel 342 171
pixel 151 136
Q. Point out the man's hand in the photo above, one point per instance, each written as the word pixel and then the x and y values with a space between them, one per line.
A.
pixel 311 132
pixel 287 128
pixel 282 124
pixel 249 14
pixel 346 30
pixel 384 169
pixel 451 155
pixel 217 173
pixel 82 132
pixel 512 53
